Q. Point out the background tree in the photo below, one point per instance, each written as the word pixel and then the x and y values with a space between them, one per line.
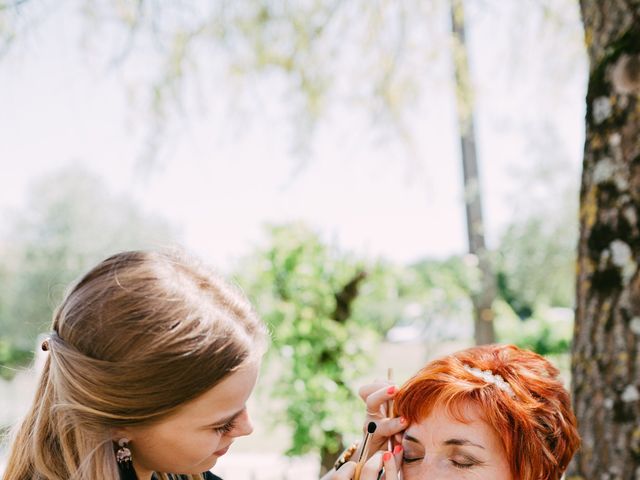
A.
pixel 483 297
pixel 606 348
pixel 535 258
pixel 307 293
pixel 71 221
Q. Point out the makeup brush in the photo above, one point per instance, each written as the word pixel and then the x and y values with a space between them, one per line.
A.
pixel 389 405
pixel 364 453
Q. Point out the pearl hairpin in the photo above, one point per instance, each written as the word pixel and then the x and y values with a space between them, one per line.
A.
pixel 489 377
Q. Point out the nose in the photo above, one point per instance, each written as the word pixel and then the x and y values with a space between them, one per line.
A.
pixel 244 426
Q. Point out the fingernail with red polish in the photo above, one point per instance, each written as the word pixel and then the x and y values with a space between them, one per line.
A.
pixel 397 449
pixel 391 390
pixel 403 420
pixel 386 457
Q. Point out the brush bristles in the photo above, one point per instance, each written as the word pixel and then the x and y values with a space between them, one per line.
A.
pixel 372 427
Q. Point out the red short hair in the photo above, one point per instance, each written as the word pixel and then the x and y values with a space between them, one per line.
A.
pixel 537 427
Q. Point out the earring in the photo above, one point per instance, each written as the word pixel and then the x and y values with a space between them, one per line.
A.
pixel 124 459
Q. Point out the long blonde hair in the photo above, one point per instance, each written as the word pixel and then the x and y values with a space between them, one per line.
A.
pixel 121 342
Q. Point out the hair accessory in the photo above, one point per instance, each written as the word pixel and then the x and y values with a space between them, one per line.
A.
pixel 45 345
pixel 124 459
pixel 489 377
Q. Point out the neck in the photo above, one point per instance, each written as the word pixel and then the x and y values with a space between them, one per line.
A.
pixel 142 473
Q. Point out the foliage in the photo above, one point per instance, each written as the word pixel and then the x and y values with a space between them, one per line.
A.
pixel 536 257
pixel 12 355
pixel 318 55
pixel 70 222
pixel 436 296
pixel 457 275
pixel 306 292
pixel 534 265
pixel 548 331
pixel 297 49
pixel 535 277
pixel 427 290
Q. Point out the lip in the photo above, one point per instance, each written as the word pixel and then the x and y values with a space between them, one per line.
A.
pixel 223 451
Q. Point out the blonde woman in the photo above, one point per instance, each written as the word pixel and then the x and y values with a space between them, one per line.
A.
pixel 151 360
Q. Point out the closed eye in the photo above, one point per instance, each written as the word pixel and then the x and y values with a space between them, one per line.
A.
pixel 226 428
pixel 411 460
pixel 230 423
pixel 465 461
pixel 462 465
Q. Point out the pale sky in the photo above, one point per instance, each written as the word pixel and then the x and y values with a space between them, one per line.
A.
pixel 223 175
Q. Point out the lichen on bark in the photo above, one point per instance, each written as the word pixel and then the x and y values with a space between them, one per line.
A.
pixel 605 360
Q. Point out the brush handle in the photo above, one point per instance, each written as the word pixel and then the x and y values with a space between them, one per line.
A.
pixel 364 455
pixel 356 476
pixel 389 407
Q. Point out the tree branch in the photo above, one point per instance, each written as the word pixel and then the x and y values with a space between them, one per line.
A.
pixel 14 4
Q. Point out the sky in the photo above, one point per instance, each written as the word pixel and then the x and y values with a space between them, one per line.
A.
pixel 223 174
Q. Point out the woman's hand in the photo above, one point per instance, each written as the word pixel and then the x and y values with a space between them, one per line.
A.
pixel 377 396
pixel 391 463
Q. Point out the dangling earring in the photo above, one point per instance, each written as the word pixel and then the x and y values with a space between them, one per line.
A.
pixel 125 464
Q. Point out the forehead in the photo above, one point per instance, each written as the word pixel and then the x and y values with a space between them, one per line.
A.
pixel 440 426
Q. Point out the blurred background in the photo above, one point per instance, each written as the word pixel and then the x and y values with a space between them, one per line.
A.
pixel 311 151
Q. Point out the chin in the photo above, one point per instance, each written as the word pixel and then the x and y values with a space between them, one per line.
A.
pixel 209 463
pixel 205 465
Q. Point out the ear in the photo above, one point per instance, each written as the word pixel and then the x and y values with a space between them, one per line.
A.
pixel 121 432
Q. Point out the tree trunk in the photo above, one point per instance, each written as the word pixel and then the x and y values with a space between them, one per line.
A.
pixel 482 300
pixel 328 457
pixel 605 360
pixel 344 303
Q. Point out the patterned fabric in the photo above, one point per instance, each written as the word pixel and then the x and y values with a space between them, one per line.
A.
pixel 207 476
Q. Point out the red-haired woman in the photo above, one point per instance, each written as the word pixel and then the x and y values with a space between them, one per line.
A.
pixel 486 413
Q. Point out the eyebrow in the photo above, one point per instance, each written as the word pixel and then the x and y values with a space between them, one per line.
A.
pixel 412 439
pixel 224 421
pixel 452 441
pixel 462 442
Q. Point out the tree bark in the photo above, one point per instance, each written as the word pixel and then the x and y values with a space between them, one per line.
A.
pixel 483 300
pixel 605 360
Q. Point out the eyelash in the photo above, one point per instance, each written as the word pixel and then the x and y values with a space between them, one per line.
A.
pixel 410 460
pixel 462 465
pixel 453 462
pixel 226 428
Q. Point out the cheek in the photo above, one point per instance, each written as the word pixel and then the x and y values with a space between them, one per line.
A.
pixel 410 472
pixel 179 452
pixel 197 447
pixel 504 471
pixel 441 468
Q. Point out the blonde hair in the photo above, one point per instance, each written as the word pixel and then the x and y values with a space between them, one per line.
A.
pixel 121 342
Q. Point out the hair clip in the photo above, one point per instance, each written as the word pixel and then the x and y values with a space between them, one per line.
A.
pixel 489 377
